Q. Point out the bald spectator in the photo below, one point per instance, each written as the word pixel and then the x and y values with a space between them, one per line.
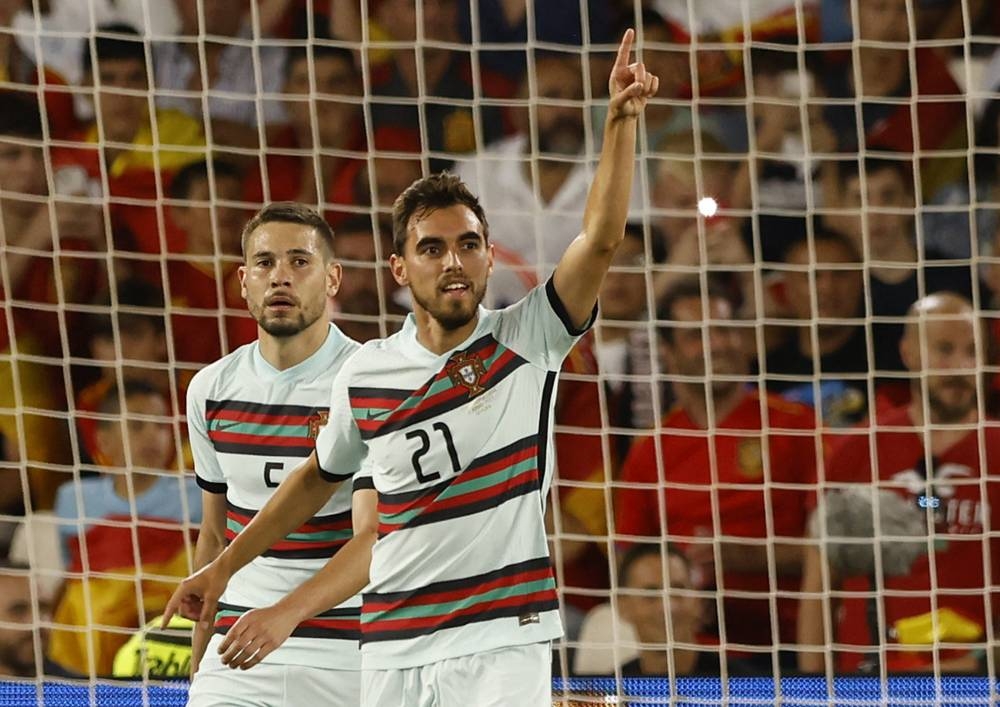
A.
pixel 938 454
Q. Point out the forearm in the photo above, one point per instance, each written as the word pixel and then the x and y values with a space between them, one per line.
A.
pixel 344 575
pixel 811 625
pixel 297 499
pixel 608 200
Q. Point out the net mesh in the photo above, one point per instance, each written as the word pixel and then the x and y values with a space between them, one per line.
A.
pixel 806 173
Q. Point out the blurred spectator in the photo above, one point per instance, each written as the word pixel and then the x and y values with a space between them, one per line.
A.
pixel 142 339
pixel 129 147
pixel 124 532
pixel 534 185
pixel 829 266
pixel 678 183
pixel 879 220
pixel 884 61
pixel 947 223
pixel 392 174
pixel 937 465
pixel 368 292
pixel 208 316
pixel 323 122
pixel 934 19
pixel 218 32
pixel 62 22
pixel 783 167
pixel 714 500
pixel 651 606
pixel 597 394
pixel 21 613
pixel 17 66
pixel 441 76
pixel 39 294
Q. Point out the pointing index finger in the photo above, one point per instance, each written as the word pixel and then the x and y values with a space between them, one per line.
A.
pixel 625 48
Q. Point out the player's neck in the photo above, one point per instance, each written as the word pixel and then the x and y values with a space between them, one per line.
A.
pixel 287 351
pixel 437 339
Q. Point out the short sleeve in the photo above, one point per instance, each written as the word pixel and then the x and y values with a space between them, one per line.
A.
pixel 340 450
pixel 208 471
pixel 540 329
pixel 363 479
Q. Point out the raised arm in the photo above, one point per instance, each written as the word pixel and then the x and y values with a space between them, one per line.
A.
pixel 578 277
pixel 297 499
pixel 259 632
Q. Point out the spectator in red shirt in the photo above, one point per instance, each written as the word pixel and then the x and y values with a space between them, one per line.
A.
pixel 701 484
pixel 129 153
pixel 36 281
pixel 930 451
pixel 305 160
pixel 209 318
pixel 368 292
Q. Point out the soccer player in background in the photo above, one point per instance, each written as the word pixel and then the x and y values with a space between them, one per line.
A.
pixel 453 418
pixel 252 417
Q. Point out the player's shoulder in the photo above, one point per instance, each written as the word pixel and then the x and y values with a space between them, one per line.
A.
pixel 223 369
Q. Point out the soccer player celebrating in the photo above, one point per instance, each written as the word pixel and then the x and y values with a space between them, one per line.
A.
pixel 252 417
pixel 452 417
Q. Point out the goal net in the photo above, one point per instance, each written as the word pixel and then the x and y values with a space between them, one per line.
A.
pixel 775 450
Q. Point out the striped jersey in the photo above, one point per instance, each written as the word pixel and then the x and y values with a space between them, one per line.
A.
pixel 458 446
pixel 250 425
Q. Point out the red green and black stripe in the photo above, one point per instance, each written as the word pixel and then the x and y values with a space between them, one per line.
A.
pixel 515 590
pixel 487 482
pixel 341 624
pixel 379 411
pixel 318 538
pixel 239 427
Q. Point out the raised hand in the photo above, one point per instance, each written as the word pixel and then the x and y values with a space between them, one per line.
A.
pixel 255 635
pixel 630 85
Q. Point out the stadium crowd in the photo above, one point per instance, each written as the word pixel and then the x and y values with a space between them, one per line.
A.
pixel 741 364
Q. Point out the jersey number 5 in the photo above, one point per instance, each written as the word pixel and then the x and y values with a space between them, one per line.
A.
pixel 268 468
pixel 425 445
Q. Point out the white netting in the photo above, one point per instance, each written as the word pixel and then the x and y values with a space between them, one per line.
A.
pixel 851 151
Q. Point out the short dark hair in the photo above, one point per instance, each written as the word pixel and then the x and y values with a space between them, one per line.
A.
pixel 428 194
pixel 112 48
pixel 184 180
pixel 642 550
pixel 289 212
pixel 131 292
pixel 850 169
pixel 821 234
pixel 21 116
pixel 111 403
pixel 657 247
pixel 687 288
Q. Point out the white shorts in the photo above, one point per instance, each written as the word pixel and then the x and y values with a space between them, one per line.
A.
pixel 519 676
pixel 267 685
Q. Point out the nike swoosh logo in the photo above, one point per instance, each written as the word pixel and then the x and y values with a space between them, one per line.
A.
pixel 376 416
pixel 222 427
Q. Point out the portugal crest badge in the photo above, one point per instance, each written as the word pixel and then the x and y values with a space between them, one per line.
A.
pixel 467 370
pixel 316 421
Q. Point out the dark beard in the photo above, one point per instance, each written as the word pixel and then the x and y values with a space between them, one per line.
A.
pixel 284 328
pixel 451 320
pixel 947 413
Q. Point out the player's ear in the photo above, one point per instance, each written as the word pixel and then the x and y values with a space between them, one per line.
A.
pixel 242 272
pixel 398 267
pixel 334 276
pixel 490 253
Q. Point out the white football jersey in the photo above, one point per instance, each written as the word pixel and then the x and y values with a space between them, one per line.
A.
pixel 459 446
pixel 250 425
